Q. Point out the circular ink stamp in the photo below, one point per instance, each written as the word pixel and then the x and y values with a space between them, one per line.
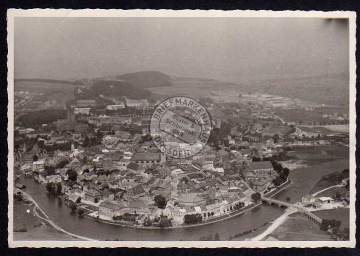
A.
pixel 180 127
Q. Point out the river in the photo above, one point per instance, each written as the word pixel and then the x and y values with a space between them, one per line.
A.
pixel 303 179
pixel 61 214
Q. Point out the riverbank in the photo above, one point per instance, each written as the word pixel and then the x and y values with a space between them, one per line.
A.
pixel 275 224
pixel 38 211
pixel 207 222
pixel 218 219
pixel 297 227
pixel 233 224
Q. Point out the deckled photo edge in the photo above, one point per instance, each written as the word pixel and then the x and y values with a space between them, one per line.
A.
pixel 14 13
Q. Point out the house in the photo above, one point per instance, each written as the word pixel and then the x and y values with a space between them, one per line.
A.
pixel 85 103
pixel 115 107
pixel 74 163
pixel 38 166
pixel 192 200
pixel 178 214
pixel 260 184
pixel 53 179
pixel 109 208
pixel 326 200
pixel 20 186
pixel 308 200
pixel 146 159
pixel 264 166
pixel 137 207
pixel 83 111
pixel 142 103
pixel 79 127
pixel 133 167
pixel 92 195
pixel 136 192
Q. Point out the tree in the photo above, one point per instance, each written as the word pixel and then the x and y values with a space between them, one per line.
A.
pixel 256 197
pixel 217 237
pixel 49 186
pixel 165 222
pixel 35 158
pixel 61 164
pixel 72 174
pixel 78 200
pixel 18 197
pixel 193 218
pixel 80 211
pixel 282 177
pixel 207 238
pixel 72 206
pixel 345 172
pixel 41 143
pixel 337 195
pixel 286 171
pixel 58 188
pixel 50 170
pixel 86 142
pixel 277 182
pixel 160 201
pixel 327 224
pixel 276 137
pixel 287 199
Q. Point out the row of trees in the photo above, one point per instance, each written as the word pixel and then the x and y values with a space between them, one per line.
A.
pixel 333 226
pixel 193 218
pixel 54 189
pixel 210 237
pixel 256 197
pixel 283 175
pixel 160 201
pixel 36 118
pixel 74 208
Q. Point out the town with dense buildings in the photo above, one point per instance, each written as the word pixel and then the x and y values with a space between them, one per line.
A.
pixel 102 162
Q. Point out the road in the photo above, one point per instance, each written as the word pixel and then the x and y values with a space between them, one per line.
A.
pixel 336 186
pixel 275 224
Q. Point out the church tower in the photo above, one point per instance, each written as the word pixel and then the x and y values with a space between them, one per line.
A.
pixel 162 158
pixel 70 114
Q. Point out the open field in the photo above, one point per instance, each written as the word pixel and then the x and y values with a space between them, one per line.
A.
pixel 332 192
pixel 342 214
pixel 192 87
pixel 320 154
pixel 299 115
pixel 42 95
pixel 324 89
pixel 304 179
pixel 298 227
pixel 332 110
pixel 23 219
pixel 332 90
pixel 40 86
pixel 43 233
pixel 338 128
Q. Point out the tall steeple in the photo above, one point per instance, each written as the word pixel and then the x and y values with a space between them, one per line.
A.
pixel 162 158
pixel 70 114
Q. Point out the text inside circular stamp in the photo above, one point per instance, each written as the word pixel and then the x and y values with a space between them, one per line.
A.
pixel 180 127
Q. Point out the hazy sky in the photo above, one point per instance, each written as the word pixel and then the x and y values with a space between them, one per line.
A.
pixel 221 48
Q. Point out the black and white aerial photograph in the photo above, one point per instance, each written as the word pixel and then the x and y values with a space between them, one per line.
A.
pixel 181 129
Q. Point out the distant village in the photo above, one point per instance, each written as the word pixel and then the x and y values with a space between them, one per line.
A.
pixel 104 164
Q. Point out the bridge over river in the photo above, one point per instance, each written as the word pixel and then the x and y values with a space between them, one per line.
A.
pixel 301 209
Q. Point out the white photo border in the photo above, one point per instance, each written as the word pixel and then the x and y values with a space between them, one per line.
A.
pixel 67 13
